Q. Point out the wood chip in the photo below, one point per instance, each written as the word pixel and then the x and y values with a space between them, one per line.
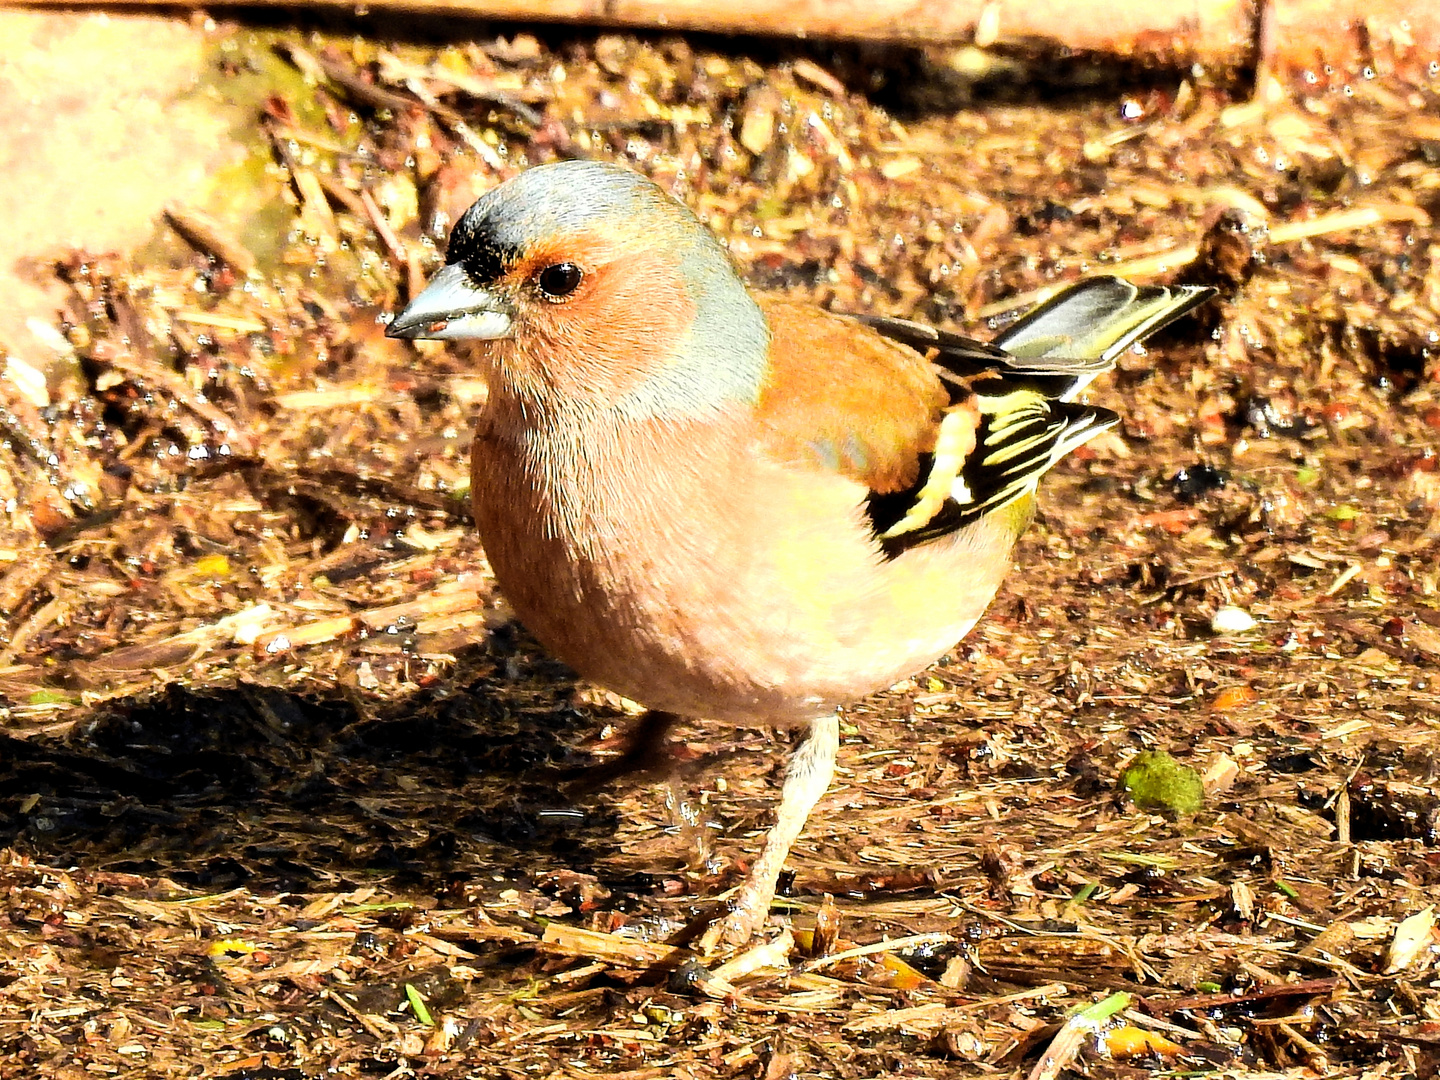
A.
pixel 210 237
pixel 914 941
pixel 612 948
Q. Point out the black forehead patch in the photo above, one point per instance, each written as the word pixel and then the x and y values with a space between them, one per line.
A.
pixel 485 257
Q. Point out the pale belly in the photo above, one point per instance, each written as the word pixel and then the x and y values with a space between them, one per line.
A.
pixel 776 615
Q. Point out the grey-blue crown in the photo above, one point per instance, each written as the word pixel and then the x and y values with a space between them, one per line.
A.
pixel 551 200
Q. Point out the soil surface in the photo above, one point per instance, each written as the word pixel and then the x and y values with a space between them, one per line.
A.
pixel 285 793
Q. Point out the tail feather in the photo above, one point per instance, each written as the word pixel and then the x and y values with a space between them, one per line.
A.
pixel 1083 329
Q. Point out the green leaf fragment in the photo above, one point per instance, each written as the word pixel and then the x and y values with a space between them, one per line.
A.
pixel 50 697
pixel 417 1006
pixel 1156 781
pixel 1094 1016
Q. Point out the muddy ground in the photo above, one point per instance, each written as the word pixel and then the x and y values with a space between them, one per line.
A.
pixel 283 788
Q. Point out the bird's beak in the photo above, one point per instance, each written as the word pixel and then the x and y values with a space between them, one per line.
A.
pixel 451 308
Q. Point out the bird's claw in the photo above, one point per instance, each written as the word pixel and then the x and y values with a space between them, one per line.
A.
pixel 735 929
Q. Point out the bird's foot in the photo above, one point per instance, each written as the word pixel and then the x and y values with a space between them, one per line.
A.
pixel 739 925
pixel 805 781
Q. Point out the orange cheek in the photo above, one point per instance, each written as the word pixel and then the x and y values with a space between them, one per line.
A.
pixel 621 328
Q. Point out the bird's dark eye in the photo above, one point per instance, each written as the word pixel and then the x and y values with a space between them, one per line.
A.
pixel 560 280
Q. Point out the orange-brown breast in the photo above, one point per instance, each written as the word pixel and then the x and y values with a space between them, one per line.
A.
pixel 694 577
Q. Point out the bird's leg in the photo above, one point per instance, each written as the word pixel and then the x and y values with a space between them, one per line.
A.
pixel 807 778
pixel 644 753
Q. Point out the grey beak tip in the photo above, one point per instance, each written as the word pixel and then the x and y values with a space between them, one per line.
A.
pixel 451 307
pixel 412 325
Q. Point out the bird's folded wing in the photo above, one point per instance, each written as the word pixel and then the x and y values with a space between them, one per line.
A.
pixel 843 398
pixel 940 429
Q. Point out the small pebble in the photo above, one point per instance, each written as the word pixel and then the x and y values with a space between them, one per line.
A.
pixel 1231 620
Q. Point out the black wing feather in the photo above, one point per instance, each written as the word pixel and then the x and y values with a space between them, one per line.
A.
pixel 1023 384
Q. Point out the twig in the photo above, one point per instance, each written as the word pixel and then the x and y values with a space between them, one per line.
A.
pixel 1072 1034
pixel 483 150
pixel 1202 1002
pixel 209 237
pixel 774 953
pixel 463 593
pixel 1218 35
pixel 612 949
pixel 938 937
pixel 382 228
pixel 371 1024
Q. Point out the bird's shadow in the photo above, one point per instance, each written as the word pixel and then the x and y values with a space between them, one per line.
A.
pixel 263 787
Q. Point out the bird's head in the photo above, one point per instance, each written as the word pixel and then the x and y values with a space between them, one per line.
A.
pixel 594 286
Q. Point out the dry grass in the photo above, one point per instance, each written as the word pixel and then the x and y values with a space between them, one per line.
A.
pixel 277 768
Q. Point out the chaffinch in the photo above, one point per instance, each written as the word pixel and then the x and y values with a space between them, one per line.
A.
pixel 738 507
